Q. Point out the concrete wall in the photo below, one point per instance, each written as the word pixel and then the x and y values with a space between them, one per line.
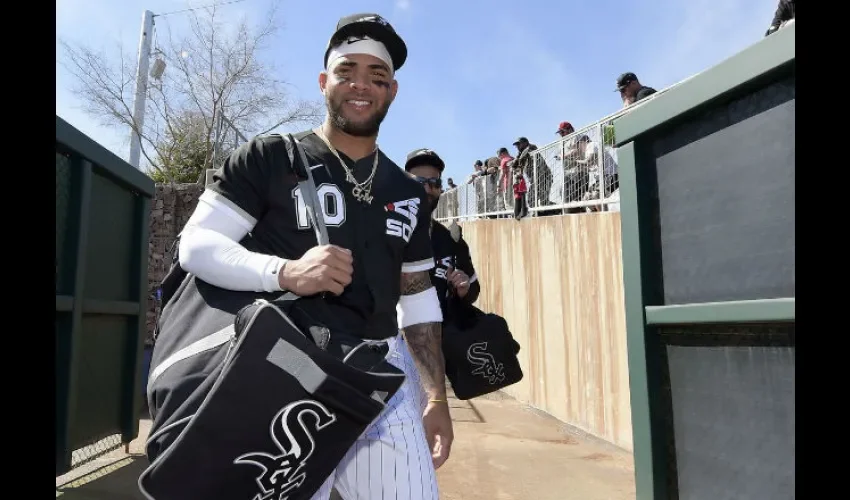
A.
pixel 558 282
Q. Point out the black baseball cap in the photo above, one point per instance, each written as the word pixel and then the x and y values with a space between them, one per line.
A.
pixel 521 139
pixel 373 26
pixel 424 156
pixel 625 79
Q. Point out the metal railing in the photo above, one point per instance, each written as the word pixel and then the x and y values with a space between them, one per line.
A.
pixel 573 174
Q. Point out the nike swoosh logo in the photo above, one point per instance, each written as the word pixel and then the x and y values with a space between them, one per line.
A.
pixel 314 167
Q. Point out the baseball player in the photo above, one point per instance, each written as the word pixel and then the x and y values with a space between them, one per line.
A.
pixel 370 281
pixel 453 275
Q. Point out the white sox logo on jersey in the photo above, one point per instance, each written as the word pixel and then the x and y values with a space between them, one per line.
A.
pixel 407 209
pixel 440 272
pixel 485 364
pixel 290 433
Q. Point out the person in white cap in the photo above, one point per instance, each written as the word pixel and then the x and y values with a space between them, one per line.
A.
pixel 251 232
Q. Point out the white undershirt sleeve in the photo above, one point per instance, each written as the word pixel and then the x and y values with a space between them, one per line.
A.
pixel 210 249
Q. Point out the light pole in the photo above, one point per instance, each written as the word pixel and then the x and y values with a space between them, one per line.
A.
pixel 141 87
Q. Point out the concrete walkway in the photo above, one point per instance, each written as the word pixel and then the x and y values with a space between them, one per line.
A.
pixel 507 451
pixel 503 451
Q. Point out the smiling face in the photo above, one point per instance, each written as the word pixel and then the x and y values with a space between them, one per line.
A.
pixel 358 90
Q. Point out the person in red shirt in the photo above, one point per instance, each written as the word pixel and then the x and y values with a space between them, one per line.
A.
pixel 520 188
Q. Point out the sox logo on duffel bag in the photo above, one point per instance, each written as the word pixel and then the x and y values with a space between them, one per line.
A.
pixel 290 433
pixel 485 364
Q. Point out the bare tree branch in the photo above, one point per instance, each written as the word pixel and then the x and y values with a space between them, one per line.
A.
pixel 213 69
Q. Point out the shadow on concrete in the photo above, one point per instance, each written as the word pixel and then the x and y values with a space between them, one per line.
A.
pixel 464 411
pixel 114 480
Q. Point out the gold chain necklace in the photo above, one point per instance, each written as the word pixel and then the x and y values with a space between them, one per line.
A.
pixel 362 191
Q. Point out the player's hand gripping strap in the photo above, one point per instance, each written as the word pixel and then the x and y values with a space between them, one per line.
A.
pixel 254 409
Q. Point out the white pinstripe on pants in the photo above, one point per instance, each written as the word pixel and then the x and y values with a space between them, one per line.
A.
pixel 391 460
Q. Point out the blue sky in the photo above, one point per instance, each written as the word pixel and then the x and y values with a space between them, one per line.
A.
pixel 479 74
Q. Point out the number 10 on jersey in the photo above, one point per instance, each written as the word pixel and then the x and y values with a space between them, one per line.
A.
pixel 332 201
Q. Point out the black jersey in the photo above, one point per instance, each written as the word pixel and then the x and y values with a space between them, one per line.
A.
pixel 447 253
pixel 387 237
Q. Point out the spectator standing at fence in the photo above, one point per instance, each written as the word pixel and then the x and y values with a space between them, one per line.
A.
pixel 490 185
pixel 478 185
pixel 492 165
pixel 631 90
pixel 477 167
pixel 600 183
pixel 576 174
pixel 540 176
pixel 520 189
pixel 505 183
pixel 565 129
pixel 452 195
pixel 560 193
pixel 785 15
pixel 477 171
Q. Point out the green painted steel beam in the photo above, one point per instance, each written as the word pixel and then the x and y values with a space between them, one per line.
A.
pixel 732 76
pixel 742 311
pixel 67 406
pixel 104 160
pixel 111 307
pixel 640 288
pixel 64 303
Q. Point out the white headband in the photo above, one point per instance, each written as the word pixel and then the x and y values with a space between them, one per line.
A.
pixel 361 46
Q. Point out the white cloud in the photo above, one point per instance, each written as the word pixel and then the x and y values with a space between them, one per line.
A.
pixel 402 4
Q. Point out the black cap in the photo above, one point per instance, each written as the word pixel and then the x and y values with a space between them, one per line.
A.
pixel 521 139
pixel 625 79
pixel 479 163
pixel 424 156
pixel 373 26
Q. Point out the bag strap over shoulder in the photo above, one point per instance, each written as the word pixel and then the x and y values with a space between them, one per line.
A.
pixel 301 167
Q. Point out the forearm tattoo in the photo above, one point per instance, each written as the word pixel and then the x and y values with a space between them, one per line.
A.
pixel 425 341
pixel 413 283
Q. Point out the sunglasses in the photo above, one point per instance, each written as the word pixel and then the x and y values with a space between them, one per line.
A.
pixel 434 182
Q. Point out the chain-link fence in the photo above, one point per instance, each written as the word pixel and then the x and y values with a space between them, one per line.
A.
pixel 575 174
pixel 95 450
pixel 485 197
